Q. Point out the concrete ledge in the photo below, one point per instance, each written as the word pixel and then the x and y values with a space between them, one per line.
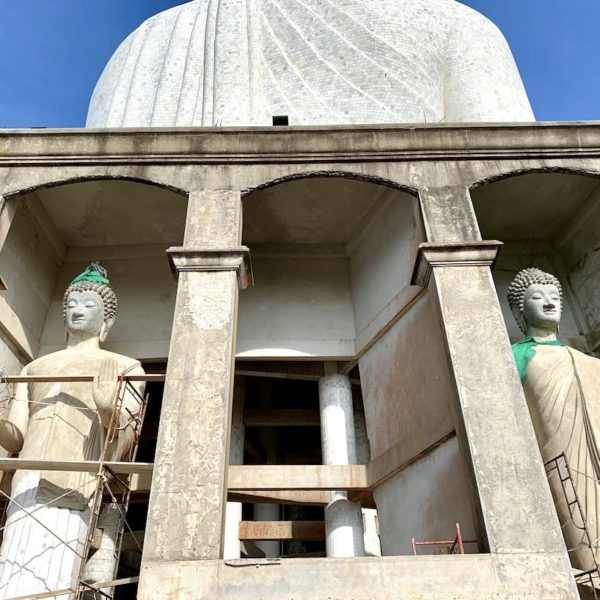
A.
pixel 472 577
pixel 213 259
pixel 455 254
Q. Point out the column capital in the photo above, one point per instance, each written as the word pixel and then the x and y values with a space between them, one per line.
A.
pixel 184 259
pixel 453 254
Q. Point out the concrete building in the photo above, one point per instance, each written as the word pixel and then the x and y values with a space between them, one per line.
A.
pixel 323 298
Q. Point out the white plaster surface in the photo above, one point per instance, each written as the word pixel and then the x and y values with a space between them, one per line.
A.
pixel 29 265
pixel 406 384
pixel 344 535
pixel 382 256
pixel 240 62
pixel 299 306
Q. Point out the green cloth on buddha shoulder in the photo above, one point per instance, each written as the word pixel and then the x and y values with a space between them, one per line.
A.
pixel 524 351
pixel 93 273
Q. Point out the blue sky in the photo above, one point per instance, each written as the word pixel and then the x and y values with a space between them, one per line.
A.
pixel 53 52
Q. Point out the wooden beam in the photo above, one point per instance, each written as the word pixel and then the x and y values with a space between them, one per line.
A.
pixel 73 378
pixel 297 477
pixel 282 530
pixel 79 466
pixel 282 418
pixel 112 583
pixel 299 370
pixel 316 498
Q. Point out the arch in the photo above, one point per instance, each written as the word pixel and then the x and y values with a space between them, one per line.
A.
pixel 89 178
pixel 533 170
pixel 332 174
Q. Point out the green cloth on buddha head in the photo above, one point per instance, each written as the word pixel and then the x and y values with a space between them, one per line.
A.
pixel 524 351
pixel 94 273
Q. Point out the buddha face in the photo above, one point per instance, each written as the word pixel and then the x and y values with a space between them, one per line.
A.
pixel 542 307
pixel 84 315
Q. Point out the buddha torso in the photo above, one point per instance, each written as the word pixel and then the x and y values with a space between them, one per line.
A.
pixel 240 62
pixel 64 423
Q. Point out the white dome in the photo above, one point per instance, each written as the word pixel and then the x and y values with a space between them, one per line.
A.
pixel 241 62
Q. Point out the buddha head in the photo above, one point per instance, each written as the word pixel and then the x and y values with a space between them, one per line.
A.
pixel 90 304
pixel 535 298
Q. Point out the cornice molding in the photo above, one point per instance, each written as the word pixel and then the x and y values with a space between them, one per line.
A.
pixel 250 145
pixel 461 254
pixel 213 259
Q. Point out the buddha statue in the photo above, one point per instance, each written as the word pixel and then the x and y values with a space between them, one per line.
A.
pixel 312 62
pixel 562 387
pixel 47 517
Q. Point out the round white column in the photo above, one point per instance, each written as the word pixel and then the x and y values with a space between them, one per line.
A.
pixel 267 512
pixel 233 512
pixel 363 456
pixel 343 519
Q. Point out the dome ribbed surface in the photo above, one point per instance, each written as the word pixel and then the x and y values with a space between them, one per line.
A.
pixel 241 62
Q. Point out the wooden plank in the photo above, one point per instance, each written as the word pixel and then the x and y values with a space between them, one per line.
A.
pixel 80 466
pixel 297 477
pixel 316 498
pixel 282 530
pixel 73 378
pixel 299 370
pixel 112 583
pixel 282 418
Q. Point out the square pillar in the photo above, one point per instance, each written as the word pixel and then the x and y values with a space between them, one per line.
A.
pixel 188 494
pixel 516 505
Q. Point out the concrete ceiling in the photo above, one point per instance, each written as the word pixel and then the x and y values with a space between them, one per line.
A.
pixel 530 207
pixel 320 210
pixel 114 212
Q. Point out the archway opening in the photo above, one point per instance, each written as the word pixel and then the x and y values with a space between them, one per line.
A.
pixel 49 235
pixel 332 259
pixel 548 220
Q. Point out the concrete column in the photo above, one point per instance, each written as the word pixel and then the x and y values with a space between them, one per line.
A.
pixel 233 514
pixel 188 495
pixel 492 413
pixel 343 519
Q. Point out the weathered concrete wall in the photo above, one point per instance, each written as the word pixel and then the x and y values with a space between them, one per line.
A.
pixel 146 292
pixel 299 306
pixel 408 394
pixel 467 577
pixel 579 247
pixel 406 384
pixel 29 264
pixel 441 162
pixel 425 501
pixel 382 257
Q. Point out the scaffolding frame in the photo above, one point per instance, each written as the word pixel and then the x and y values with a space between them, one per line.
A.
pixel 591 576
pixel 116 473
pixel 451 545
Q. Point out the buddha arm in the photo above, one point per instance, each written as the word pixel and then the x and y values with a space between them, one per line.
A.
pixel 14 427
pixel 129 411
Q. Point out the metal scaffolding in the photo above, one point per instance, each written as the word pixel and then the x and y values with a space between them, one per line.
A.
pixel 560 465
pixel 114 483
pixel 455 546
